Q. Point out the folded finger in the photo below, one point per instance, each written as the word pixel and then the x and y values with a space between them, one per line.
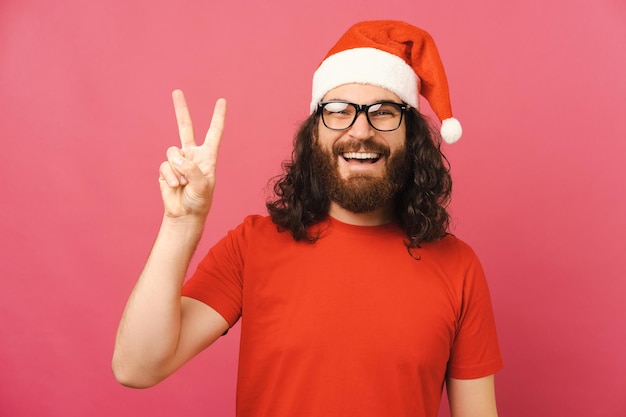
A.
pixel 167 174
pixel 174 172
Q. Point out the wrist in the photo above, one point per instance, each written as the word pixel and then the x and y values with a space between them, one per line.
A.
pixel 187 227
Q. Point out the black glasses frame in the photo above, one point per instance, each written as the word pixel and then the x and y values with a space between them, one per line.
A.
pixel 363 108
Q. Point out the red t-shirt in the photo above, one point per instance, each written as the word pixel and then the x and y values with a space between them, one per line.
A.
pixel 351 325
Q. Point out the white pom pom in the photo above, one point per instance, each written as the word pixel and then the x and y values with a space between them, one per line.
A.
pixel 451 130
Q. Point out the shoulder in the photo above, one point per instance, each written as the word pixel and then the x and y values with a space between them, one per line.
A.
pixel 450 254
pixel 256 226
pixel 449 246
pixel 253 222
pixel 236 244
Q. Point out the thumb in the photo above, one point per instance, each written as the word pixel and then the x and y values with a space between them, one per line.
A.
pixel 189 172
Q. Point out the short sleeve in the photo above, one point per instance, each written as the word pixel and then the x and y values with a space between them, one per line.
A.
pixel 475 351
pixel 217 281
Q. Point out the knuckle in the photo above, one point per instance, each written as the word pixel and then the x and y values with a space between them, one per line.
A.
pixel 173 151
pixel 165 168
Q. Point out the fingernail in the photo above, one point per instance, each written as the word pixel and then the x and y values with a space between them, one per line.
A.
pixel 178 161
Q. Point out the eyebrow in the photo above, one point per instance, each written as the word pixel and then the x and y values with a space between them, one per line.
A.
pixel 379 100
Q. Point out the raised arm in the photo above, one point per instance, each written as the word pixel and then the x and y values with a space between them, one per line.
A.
pixel 160 331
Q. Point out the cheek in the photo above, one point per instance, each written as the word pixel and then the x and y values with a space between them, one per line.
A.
pixel 398 142
pixel 327 140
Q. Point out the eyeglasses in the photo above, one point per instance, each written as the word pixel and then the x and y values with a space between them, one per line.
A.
pixel 383 116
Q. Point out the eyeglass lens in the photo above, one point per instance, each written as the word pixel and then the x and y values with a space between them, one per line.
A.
pixel 338 115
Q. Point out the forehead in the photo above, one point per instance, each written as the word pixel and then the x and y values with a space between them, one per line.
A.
pixel 361 94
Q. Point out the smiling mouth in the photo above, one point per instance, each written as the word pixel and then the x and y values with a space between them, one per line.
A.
pixel 361 157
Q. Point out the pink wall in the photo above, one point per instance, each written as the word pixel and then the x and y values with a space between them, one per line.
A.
pixel 85 118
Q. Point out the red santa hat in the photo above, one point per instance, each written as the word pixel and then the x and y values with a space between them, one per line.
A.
pixel 394 55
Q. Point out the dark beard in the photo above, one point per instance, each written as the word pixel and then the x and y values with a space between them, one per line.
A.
pixel 361 193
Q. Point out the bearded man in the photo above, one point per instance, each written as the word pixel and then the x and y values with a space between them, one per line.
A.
pixel 353 297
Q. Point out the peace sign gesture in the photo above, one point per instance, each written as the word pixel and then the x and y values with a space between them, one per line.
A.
pixel 187 178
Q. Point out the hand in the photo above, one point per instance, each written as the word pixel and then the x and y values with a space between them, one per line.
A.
pixel 187 178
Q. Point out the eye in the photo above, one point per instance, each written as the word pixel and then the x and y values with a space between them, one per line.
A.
pixel 384 110
pixel 339 109
pixel 336 107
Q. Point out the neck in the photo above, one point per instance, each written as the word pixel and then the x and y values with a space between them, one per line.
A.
pixel 377 217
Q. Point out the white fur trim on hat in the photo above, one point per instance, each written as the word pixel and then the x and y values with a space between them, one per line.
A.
pixel 366 66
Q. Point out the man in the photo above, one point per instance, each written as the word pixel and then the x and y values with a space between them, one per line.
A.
pixel 354 299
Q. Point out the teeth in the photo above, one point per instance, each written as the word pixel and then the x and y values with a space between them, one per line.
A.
pixel 361 155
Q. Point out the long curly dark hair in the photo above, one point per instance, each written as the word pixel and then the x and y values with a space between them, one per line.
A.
pixel 420 207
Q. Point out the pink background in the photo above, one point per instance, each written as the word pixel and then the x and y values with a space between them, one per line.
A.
pixel 85 119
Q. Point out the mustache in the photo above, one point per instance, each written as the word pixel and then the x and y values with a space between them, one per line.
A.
pixel 367 145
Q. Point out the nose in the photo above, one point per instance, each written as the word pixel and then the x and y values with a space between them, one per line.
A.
pixel 361 127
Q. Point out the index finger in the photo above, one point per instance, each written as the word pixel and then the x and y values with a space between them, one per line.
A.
pixel 183 119
pixel 216 128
